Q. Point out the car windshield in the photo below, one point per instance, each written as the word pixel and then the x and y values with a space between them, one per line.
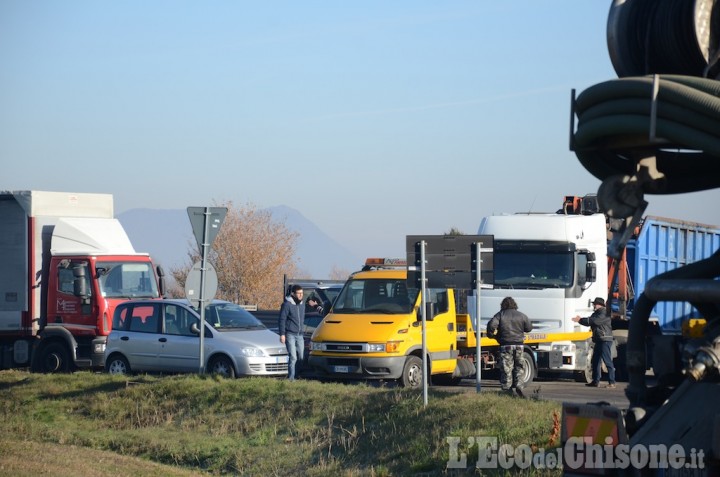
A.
pixel 231 316
pixel 385 296
pixel 127 280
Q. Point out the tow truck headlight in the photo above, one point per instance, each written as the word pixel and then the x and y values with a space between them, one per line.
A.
pixel 376 347
pixel 315 346
pixel 565 348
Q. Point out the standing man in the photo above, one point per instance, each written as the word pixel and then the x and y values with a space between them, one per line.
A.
pixel 599 323
pixel 508 327
pixel 290 325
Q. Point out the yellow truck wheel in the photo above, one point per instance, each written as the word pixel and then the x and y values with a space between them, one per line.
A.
pixel 412 374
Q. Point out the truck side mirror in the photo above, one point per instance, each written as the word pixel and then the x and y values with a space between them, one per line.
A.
pixel 590 272
pixel 429 312
pixel 79 282
pixel 161 280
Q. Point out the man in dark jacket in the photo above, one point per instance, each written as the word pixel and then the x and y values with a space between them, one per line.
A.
pixel 602 337
pixel 508 327
pixel 290 328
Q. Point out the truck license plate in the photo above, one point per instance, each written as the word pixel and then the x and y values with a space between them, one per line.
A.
pixel 342 369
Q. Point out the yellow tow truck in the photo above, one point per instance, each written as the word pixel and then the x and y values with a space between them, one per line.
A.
pixel 374 331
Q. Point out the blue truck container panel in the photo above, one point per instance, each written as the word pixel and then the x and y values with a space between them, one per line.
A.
pixel 662 245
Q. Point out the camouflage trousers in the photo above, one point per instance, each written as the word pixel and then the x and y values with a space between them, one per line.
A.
pixel 511 367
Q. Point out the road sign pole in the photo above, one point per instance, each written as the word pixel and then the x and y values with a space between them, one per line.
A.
pixel 203 262
pixel 478 347
pixel 423 304
pixel 206 222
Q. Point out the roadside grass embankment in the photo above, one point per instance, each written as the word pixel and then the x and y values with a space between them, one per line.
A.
pixel 96 424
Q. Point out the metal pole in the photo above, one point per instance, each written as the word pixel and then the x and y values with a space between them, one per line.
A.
pixel 204 252
pixel 478 359
pixel 423 305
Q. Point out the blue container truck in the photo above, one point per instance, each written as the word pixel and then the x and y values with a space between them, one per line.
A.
pixel 662 244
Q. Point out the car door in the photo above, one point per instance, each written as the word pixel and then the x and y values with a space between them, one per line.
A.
pixel 139 341
pixel 179 347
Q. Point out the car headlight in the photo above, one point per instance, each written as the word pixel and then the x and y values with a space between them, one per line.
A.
pixel 251 351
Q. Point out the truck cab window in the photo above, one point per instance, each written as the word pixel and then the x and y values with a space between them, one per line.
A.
pixel 127 280
pixel 582 262
pixel 65 280
pixel 532 270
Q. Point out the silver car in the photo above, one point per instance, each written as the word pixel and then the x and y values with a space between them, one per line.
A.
pixel 164 336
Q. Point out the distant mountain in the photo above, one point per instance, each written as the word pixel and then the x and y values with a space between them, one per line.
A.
pixel 167 236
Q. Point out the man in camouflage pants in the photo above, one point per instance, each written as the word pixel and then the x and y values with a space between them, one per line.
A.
pixel 508 327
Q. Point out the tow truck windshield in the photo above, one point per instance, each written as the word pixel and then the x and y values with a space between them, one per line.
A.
pixel 382 296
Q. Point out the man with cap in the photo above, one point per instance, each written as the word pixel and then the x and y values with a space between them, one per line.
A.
pixel 599 323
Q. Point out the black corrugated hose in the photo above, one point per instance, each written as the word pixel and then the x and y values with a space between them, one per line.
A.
pixel 614 122
pixel 666 119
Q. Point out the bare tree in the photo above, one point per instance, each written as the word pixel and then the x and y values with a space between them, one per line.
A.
pixel 251 254
pixel 455 231
pixel 337 273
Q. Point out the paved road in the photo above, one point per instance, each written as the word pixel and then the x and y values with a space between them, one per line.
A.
pixel 557 389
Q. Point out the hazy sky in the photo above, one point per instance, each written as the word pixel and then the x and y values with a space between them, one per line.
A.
pixel 374 119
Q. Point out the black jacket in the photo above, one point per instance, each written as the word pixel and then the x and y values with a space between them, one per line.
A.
pixel 600 324
pixel 292 317
pixel 509 327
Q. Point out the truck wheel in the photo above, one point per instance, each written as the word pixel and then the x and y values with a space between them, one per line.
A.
pixel 585 375
pixel 54 358
pixel 412 374
pixel 582 376
pixel 621 372
pixel 222 366
pixel 528 369
pixel 117 364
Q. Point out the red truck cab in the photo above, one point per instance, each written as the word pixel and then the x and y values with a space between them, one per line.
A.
pixel 67 263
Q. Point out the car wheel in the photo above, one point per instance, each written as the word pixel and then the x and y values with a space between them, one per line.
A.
pixel 54 358
pixel 412 374
pixel 117 364
pixel 222 366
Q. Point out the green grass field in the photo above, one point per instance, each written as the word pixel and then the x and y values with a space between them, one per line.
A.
pixel 96 424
